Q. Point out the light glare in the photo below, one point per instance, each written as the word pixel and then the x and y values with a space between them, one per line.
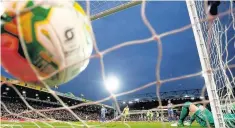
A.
pixel 112 83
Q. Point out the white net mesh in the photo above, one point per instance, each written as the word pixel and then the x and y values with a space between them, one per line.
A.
pixel 219 48
pixel 219 42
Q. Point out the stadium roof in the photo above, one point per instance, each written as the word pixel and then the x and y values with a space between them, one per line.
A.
pixel 180 94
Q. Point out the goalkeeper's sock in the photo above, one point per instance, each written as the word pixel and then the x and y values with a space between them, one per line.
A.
pixel 184 112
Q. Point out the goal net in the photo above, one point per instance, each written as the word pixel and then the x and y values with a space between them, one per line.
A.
pixel 215 42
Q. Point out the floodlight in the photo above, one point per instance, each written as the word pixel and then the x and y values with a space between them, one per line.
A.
pixel 112 83
pixel 136 100
pixel 7 89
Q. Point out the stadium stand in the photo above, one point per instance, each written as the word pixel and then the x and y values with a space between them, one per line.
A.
pixel 40 99
pixel 139 104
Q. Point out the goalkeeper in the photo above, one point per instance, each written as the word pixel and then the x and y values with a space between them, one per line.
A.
pixel 202 115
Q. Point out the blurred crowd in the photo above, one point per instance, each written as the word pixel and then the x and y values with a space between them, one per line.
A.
pixel 10 107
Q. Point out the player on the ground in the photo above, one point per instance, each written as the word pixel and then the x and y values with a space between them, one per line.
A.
pixel 125 113
pixel 170 111
pixel 103 113
pixel 202 115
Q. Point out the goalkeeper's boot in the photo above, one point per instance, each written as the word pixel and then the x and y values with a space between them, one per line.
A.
pixel 180 123
pixel 188 123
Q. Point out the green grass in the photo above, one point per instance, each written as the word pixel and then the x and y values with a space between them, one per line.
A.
pixel 94 124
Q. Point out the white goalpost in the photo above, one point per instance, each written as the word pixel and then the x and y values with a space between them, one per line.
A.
pixel 213 44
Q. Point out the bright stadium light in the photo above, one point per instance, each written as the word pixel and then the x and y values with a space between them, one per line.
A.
pixel 7 89
pixel 112 83
pixel 201 97
pixel 23 92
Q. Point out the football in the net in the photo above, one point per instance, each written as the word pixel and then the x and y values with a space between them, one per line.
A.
pixel 45 40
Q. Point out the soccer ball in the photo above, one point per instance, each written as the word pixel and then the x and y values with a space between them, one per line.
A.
pixel 56 36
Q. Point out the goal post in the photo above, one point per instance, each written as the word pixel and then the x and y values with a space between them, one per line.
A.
pixel 213 45
pixel 115 9
pixel 205 64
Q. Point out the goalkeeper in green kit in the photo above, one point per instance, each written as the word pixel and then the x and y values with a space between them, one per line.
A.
pixel 202 115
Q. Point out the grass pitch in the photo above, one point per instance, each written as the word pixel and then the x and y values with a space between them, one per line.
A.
pixel 94 125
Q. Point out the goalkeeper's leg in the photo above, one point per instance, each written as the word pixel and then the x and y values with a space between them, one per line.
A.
pixel 184 113
pixel 199 113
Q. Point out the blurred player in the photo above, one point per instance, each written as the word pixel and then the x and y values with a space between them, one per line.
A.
pixel 148 115
pixel 125 113
pixel 202 115
pixel 116 114
pixel 157 116
pixel 170 111
pixel 103 113
pixel 151 116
